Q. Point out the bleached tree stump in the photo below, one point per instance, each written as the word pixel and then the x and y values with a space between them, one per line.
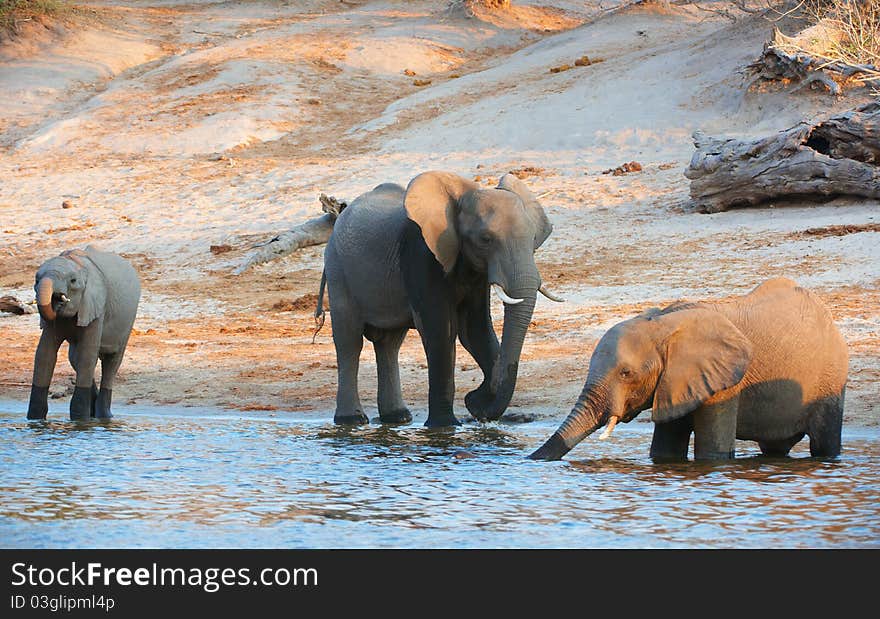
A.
pixel 838 156
pixel 313 232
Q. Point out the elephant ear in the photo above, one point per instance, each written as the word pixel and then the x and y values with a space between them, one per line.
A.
pixel 95 294
pixel 536 213
pixel 432 201
pixel 704 354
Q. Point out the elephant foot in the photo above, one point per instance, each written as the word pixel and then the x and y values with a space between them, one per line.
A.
pixel 401 415
pixel 102 404
pixel 81 403
pixel 667 458
pixel 357 418
pixel 38 406
pixel 94 398
pixel 441 421
pixel 479 401
pixel 715 455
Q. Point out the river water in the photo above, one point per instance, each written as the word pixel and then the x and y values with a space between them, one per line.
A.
pixel 199 478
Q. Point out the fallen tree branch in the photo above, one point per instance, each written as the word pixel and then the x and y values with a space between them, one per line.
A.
pixel 838 156
pixel 787 58
pixel 12 305
pixel 313 232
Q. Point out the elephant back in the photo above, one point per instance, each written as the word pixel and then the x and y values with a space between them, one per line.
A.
pixel 794 337
pixel 376 216
pixel 363 252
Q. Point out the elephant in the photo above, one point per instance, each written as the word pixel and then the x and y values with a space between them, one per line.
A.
pixel 88 298
pixel 425 257
pixel 769 366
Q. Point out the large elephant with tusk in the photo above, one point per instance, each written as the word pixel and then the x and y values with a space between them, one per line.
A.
pixel 89 299
pixel 769 366
pixel 425 257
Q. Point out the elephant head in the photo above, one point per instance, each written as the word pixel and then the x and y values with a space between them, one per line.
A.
pixel 495 232
pixel 670 361
pixel 69 285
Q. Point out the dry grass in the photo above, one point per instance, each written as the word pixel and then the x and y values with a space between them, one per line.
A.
pixel 13 12
pixel 858 25
pixel 470 5
pixel 844 33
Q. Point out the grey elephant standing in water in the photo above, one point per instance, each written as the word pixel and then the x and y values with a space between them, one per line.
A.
pixel 769 366
pixel 425 258
pixel 88 298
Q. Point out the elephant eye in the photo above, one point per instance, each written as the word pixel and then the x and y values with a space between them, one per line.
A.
pixel 73 280
pixel 485 237
pixel 626 373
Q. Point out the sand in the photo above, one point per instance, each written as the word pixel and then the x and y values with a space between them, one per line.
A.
pixel 171 127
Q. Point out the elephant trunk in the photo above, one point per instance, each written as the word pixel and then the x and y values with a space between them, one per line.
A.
pixel 587 416
pixel 44 298
pixel 517 317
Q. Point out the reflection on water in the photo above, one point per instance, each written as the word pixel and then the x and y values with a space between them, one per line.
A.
pixel 146 479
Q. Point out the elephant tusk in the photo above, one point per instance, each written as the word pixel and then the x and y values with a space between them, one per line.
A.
pixel 503 295
pixel 64 298
pixel 611 423
pixel 550 295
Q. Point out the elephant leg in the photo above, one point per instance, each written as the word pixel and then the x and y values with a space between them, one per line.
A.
pixel 348 339
pixel 671 439
pixel 392 408
pixel 715 430
pixel 86 356
pixel 44 366
pixel 431 296
pixel 438 340
pixel 825 422
pixel 779 448
pixel 477 335
pixel 109 367
pixel 72 358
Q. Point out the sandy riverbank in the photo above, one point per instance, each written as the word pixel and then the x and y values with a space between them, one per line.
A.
pixel 173 127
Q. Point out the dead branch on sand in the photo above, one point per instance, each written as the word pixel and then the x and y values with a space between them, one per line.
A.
pixel 313 232
pixel 838 156
pixel 790 58
pixel 12 305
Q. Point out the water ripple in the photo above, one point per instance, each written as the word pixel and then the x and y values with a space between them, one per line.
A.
pixel 157 480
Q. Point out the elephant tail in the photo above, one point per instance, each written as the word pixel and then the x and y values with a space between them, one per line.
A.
pixel 319 310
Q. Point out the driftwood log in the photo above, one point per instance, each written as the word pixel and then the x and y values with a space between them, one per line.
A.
pixel 12 305
pixel 313 232
pixel 839 156
pixel 791 59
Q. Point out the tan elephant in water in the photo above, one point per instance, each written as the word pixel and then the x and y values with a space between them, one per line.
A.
pixel 769 366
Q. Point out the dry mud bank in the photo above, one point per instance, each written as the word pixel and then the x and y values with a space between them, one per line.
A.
pixel 172 127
